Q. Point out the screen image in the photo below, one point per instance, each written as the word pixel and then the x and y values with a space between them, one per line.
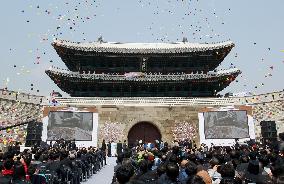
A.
pixel 70 125
pixel 226 125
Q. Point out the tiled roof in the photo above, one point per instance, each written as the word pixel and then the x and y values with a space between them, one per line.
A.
pixel 114 47
pixel 141 76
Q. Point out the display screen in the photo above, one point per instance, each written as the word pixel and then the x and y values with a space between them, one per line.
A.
pixel 70 125
pixel 226 125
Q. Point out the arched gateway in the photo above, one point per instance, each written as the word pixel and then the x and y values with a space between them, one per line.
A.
pixel 145 131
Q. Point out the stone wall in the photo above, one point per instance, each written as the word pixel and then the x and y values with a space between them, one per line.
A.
pixel 115 121
pixel 269 111
pixel 166 119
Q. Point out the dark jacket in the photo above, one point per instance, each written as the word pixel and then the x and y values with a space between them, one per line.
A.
pixel 104 146
pixel 7 179
pixel 119 148
pixel 243 170
pixel 164 179
pixel 109 149
pixel 20 182
pixel 149 177
pixel 66 162
pixel 54 167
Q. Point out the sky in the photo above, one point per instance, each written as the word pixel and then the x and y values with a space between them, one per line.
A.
pixel 28 28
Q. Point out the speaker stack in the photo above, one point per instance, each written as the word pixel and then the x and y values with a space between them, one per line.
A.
pixel 34 132
pixel 268 131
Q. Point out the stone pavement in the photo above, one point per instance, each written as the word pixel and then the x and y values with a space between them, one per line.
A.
pixel 104 176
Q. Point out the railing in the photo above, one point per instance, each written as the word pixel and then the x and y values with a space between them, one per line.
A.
pixel 145 101
pixel 172 101
pixel 262 98
pixel 23 97
pixel 138 76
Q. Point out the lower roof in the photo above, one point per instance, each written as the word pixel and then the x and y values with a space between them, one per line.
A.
pixel 139 76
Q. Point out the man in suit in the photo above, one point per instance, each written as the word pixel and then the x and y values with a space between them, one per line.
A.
pixel 281 142
pixel 103 148
pixel 119 148
pixel 103 145
pixel 109 149
pixel 124 146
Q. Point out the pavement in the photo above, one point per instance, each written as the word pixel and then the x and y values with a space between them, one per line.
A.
pixel 105 175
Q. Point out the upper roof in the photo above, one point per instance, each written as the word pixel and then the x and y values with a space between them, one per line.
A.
pixel 116 47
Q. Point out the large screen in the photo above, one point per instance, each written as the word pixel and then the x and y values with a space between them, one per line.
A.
pixel 226 125
pixel 70 125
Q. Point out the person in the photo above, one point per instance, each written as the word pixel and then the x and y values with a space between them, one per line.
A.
pixel 103 151
pixel 204 175
pixel 190 169
pixel 253 173
pixel 223 165
pixel 7 172
pixel 171 176
pixel 17 147
pixel 213 171
pixel 143 169
pixel 281 142
pixel 237 143
pixel 54 164
pixel 194 144
pixel 19 175
pixel 109 149
pixel 48 165
pixel 190 144
pixel 277 171
pixel 124 173
pixel 56 144
pixel 73 145
pixel 183 177
pixel 157 160
pixel 166 145
pixel 65 164
pixel 119 148
pixel 124 146
pixel 195 180
pixel 103 148
pixel 227 172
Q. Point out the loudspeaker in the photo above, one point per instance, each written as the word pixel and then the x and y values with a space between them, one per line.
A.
pixel 34 133
pixel 268 131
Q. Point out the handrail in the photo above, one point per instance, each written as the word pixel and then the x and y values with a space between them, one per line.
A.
pixel 138 76
pixel 19 96
pixel 172 101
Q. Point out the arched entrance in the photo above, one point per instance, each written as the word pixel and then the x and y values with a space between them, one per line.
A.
pixel 145 131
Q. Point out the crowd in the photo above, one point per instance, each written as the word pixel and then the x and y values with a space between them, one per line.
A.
pixel 14 112
pixel 184 163
pixel 13 116
pixel 60 162
pixel 268 110
pixel 159 163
